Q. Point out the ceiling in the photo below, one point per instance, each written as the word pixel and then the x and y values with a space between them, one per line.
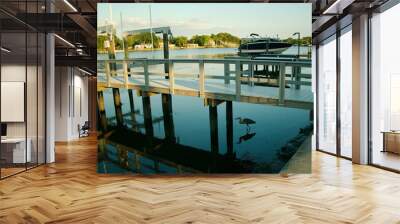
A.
pixel 76 22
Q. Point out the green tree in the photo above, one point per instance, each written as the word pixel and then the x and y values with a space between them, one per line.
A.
pixel 201 40
pixel 225 38
pixel 142 38
pixel 302 41
pixel 180 41
pixel 102 38
pixel 100 42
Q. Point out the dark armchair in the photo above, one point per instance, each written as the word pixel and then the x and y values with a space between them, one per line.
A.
pixel 84 129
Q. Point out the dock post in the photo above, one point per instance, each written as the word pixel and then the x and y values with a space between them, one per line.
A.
pixel 250 75
pixel 123 157
pixel 146 75
pixel 166 51
pixel 118 108
pixel 282 83
pixel 102 151
pixel 137 163
pixel 130 92
pixel 237 80
pixel 226 73
pixel 229 128
pixel 169 128
pixel 132 106
pixel 293 73
pixel 171 77
pixel 126 79
pixel 156 166
pixel 148 121
pixel 111 51
pixel 213 128
pixel 108 73
pixel 297 77
pixel 201 78
pixel 102 111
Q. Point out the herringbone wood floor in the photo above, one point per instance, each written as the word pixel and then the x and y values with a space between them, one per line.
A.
pixel 70 191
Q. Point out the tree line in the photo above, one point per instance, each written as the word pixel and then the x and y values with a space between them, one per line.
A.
pixel 219 39
pixel 303 41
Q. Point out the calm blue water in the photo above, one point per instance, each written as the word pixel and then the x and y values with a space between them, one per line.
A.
pixel 275 126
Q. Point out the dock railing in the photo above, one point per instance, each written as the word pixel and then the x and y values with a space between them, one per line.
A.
pixel 241 75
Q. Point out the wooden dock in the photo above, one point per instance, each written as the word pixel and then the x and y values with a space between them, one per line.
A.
pixel 182 157
pixel 232 85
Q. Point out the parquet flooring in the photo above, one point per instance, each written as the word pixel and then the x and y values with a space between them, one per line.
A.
pixel 70 191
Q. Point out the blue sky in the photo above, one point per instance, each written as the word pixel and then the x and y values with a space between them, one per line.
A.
pixel 189 19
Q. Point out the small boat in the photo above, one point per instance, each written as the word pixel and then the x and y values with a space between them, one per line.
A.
pixel 256 45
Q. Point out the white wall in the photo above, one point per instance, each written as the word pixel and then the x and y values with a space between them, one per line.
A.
pixel 71 94
pixel 9 73
pixel 33 127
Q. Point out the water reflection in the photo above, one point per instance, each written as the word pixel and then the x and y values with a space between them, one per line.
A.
pixel 246 137
pixel 160 133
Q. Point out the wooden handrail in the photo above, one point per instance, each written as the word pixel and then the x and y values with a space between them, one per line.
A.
pixel 296 72
pixel 210 61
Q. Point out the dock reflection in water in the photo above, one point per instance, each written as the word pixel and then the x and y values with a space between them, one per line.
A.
pixel 160 133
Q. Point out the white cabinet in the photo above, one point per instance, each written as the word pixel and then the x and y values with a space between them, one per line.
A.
pixel 19 155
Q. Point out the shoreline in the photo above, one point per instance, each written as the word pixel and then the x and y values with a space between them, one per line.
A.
pixel 160 49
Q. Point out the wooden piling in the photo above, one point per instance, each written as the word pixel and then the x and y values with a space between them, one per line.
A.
pixel 123 157
pixel 238 73
pixel 251 74
pixel 148 121
pixel 102 111
pixel 111 52
pixel 171 77
pixel 226 73
pixel 166 51
pixel 132 107
pixel 102 153
pixel 130 91
pixel 146 75
pixel 169 127
pixel 229 128
pixel 297 77
pixel 156 166
pixel 118 107
pixel 214 128
pixel 137 163
pixel 126 79
pixel 282 83
pixel 201 78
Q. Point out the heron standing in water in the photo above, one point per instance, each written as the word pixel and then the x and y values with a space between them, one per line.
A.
pixel 246 121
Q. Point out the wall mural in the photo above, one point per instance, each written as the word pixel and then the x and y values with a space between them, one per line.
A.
pixel 184 88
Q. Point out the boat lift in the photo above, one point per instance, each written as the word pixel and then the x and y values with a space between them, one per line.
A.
pixel 166 34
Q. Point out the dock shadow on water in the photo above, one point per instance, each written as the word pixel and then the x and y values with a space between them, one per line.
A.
pixel 171 134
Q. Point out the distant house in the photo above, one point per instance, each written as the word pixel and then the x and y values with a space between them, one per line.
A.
pixel 169 45
pixel 142 46
pixel 192 45
pixel 210 43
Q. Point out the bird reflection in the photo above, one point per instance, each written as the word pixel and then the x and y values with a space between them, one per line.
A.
pixel 246 137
